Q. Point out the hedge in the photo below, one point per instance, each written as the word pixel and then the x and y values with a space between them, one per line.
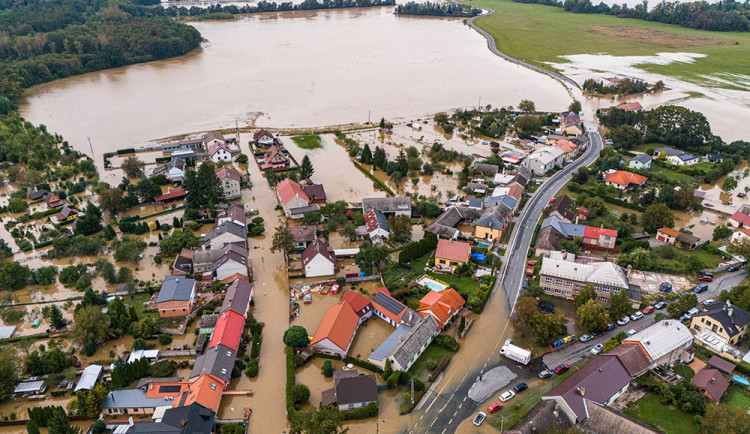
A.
pixel 362 364
pixel 42 214
pixel 373 178
pixel 370 410
pixel 18 338
pixel 575 188
pixel 291 410
pixel 43 244
pixel 418 249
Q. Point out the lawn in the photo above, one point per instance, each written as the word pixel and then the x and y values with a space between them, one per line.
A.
pixel 685 371
pixel 137 301
pixel 540 34
pixel 433 352
pixel 667 418
pixel 308 141
pixel 677 263
pixel 464 285
pixel 736 397
pixel 670 174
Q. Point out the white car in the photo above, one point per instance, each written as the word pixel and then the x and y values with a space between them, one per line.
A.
pixel 631 332
pixel 479 418
pixel 597 349
pixel 709 301
pixel 623 321
pixel 508 394
pixel 636 316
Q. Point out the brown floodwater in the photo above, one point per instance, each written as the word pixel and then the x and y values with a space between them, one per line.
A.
pixel 290 70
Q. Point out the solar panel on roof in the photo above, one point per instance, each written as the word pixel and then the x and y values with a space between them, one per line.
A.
pixel 169 389
pixel 389 303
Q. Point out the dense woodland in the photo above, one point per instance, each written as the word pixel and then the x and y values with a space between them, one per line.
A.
pixel 723 16
pixel 437 10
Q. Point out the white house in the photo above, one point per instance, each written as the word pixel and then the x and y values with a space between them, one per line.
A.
pixel 291 196
pixel 213 138
pixel 231 263
pixel 174 170
pixel 230 182
pixel 263 138
pixel 220 152
pixel 318 260
pixel 377 226
pixel 543 160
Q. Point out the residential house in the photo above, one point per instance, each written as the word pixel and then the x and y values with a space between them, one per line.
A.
pixel 225 233
pixel 217 361
pixel 53 201
pixel 275 159
pixel 600 237
pixel 676 156
pixel 711 383
pixel 264 139
pixel 318 260
pixel 195 144
pixel 715 158
pixel 206 262
pixel 667 235
pixel 171 196
pixel 213 138
pixel 189 419
pixel 740 235
pixel 291 196
pixel 680 239
pixel 503 179
pixel 38 193
pixel 228 330
pixel 622 180
pixel 133 402
pixel 723 319
pixel 441 305
pixel 67 214
pixel 451 254
pixel 362 306
pixel 301 212
pixel 351 390
pixel 640 162
pixel 390 206
pixel 173 170
pixel 630 106
pixel 219 152
pixel 562 208
pixel 553 229
pixel 234 213
pixel 493 222
pixel 206 391
pixel 336 330
pixel 238 297
pixel 230 182
pixel 176 296
pixel 569 148
pixel 29 387
pixel 740 218
pixel 315 193
pixel 89 377
pixel 410 347
pixel 664 343
pixel 377 226
pixel 484 169
pixel 445 225
pixel 571 128
pixel 303 235
pixel 388 308
pixel 632 357
pixel 543 160
pixel 561 276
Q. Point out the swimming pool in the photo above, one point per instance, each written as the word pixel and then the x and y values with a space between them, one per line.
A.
pixel 432 284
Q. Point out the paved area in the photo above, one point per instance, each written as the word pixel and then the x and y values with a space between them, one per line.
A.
pixel 650 281
pixel 490 382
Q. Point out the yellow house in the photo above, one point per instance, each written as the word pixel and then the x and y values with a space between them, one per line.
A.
pixel 571 129
pixel 67 214
pixel 723 319
pixel 493 222
pixel 450 254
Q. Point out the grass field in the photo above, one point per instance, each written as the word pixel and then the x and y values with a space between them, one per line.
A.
pixel 539 34
pixel 308 141
pixel 738 398
pixel 669 419
pixel 670 174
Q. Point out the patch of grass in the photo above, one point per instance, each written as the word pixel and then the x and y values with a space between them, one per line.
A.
pixel 433 352
pixel 308 141
pixel 412 303
pixel 539 34
pixel 667 418
pixel 670 174
pixel 685 371
pixel 137 301
pixel 736 397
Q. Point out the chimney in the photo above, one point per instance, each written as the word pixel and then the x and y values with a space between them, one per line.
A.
pixel 713 380
pixel 582 390
pixel 630 270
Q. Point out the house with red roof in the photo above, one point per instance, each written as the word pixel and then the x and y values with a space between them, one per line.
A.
pixel 318 260
pixel 206 390
pixel 174 194
pixel 275 159
pixel 600 237
pixel 441 305
pixel 336 330
pixel 622 180
pixel 362 306
pixel 230 182
pixel 451 254
pixel 228 330
pixel 630 106
pixel 741 217
pixel 291 196
pixel 667 235
pixel 388 308
pixel 376 224
pixel 264 139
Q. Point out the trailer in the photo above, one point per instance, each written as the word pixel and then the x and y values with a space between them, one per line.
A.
pixel 530 268
pixel 513 352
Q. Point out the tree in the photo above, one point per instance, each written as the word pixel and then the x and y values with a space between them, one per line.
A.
pixel 90 326
pixel 296 336
pixel 132 166
pixel 370 255
pixel 619 305
pixel 283 241
pixel 366 157
pixel 682 305
pixel 204 190
pixel 722 232
pixel 379 158
pixel 402 163
pixel 45 275
pixel 400 228
pixel 677 126
pixel 657 216
pixel 306 169
pixel 527 106
pixel 593 315
pixel 520 319
pixel 596 206
pixel 9 364
pixel 549 328
pixel 56 317
pixel 729 184
pixel 60 424
pixel 587 293
pixel 13 276
pixel 625 136
pixel 299 393
pixel 326 420
pixel 724 419
pixel 328 369
pixel 145 328
pixel 528 124
pixel 575 106
pixel 112 201
pixel 639 258
pixel 179 240
pixel 32 428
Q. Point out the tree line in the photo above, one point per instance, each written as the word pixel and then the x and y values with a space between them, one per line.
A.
pixel 264 6
pixel 437 9
pixel 724 16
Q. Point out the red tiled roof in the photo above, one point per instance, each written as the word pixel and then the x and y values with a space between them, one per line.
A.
pixel 624 178
pixel 261 133
pixel 228 172
pixel 669 231
pixel 712 381
pixel 594 232
pixel 741 218
pixel 338 325
pixel 272 152
pixel 228 330
pixel 288 190
pixel 630 106
pixel 206 390
pixel 453 250
pixel 216 147
pixel 356 300
pixel 173 194
pixel 441 305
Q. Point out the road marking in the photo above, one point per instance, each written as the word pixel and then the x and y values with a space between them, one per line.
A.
pixel 449 423
pixel 465 398
pixel 445 429
pixel 455 413
pixel 422 417
pixel 433 401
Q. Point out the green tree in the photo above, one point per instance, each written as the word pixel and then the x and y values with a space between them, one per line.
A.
pixel 527 106
pixel 724 419
pixel 111 200
pixel 619 305
pixel 204 190
pixel 625 136
pixel 32 428
pixel 387 370
pixel 682 305
pixel 328 369
pixel 9 365
pixel 13 276
pixel 326 420
pixel 56 317
pixel 575 106
pixel 179 240
pixel 306 169
pixel 370 256
pixel 45 275
pixel 60 424
pixel 549 328
pixel 296 336
pixel 722 232
pixel 656 217
pixel 593 315
pixel 729 184
pixel 90 326
pixel 366 157
pixel 283 241
pixel 528 124
pixel 379 159
pixel 524 310
pixel 300 393
pixel 132 166
pixel 400 229
pixel 587 293
pixel 145 328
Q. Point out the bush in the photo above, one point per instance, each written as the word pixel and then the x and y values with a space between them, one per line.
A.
pixel 447 342
pixel 328 369
pixel 165 339
pixel 296 336
pixel 298 361
pixel 370 410
pixel 431 365
pixel 300 393
pixel 252 368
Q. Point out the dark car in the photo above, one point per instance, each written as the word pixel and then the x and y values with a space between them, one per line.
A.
pixel 520 387
pixel 703 287
pixel 732 268
pixel 562 368
pixel 611 326
pixel 665 287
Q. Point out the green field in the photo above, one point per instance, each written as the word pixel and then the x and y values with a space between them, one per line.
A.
pixel 539 34
pixel 308 141
pixel 736 397
pixel 669 419
pixel 670 174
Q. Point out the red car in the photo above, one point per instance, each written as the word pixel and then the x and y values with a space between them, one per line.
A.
pixel 706 278
pixel 562 368
pixel 494 407
pixel 648 310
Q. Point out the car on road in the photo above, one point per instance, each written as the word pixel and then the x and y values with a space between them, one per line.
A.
pixel 709 302
pixel 479 418
pixel 636 316
pixel 508 394
pixel 665 287
pixel 597 349
pixel 623 321
pixel 732 268
pixel 611 327
pixel 586 338
pixel 707 205
pixel 631 332
pixel 520 387
pixel 545 374
pixel 562 368
pixel 706 278
pixel 703 287
pixel 494 407
pixel 691 312
pixel 648 310
pixel 660 305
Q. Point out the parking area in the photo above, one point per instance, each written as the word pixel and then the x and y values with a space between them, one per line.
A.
pixel 649 282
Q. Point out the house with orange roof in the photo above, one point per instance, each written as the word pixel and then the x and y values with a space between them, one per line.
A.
pixel 740 235
pixel 168 389
pixel 362 306
pixel 569 148
pixel 621 179
pixel 291 196
pixel 388 308
pixel 600 237
pixel 206 391
pixel 451 254
pixel 336 330
pixel 667 235
pixel 228 330
pixel 441 305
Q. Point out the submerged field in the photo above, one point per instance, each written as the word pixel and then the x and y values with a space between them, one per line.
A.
pixel 539 34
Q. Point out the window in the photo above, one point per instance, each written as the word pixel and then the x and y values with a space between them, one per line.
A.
pixel 351 406
pixel 697 327
pixel 713 329
pixel 596 287
pixel 567 293
pixel 568 284
pixel 558 291
pixel 213 386
pixel 558 282
pixel 547 280
pixel 615 291
pixel 605 290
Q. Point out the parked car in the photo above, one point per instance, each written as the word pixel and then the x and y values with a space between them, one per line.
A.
pixel 631 332
pixel 647 310
pixel 586 338
pixel 623 321
pixel 660 305
pixel 479 418
pixel 691 312
pixel 562 368
pixel 508 394
pixel 494 407
pixel 609 142
pixel 525 283
pixel 611 327
pixel 732 268
pixel 636 316
pixel 597 349
pixel 665 287
pixel 709 302
pixel 706 278
pixel 520 387
pixel 705 273
pixel 703 287
pixel 545 374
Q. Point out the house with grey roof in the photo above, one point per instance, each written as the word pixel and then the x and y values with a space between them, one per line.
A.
pixel 133 401
pixel 640 162
pixel 376 224
pixel 445 225
pixel 390 206
pixel 493 222
pixel 238 297
pixel 486 169
pixel 173 170
pixel 408 350
pixel 176 296
pixel 725 320
pixel 89 377
pixel 351 390
pixel 303 235
pixel 225 233
pixel 217 361
pixel 189 419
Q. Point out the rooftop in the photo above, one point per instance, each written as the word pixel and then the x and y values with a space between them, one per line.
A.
pixel 453 250
pixel 288 190
pixel 176 288
pixel 387 204
pixel 621 177
pixel 338 325
pixel 732 318
pixel 238 296
pixel 661 338
pixel 89 377
pixel 712 381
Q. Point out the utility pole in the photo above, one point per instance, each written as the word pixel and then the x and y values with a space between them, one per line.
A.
pixel 368 117
pixel 237 125
pixel 412 390
pixel 91 147
pixel 502 421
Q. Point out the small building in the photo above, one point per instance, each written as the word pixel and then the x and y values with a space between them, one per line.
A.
pixel 171 196
pixel 622 180
pixel 715 158
pixel 493 222
pixel 722 365
pixel 228 330
pixel 640 162
pixel 711 383
pixel 264 139
pixel 53 201
pixel 599 237
pixel 315 193
pixel 741 217
pixel 571 129
pixel 219 152
pixel 664 343
pixel 133 402
pixel 225 233
pixel 89 377
pixel 275 159
pixel 176 296
pixel 234 213
pixel 351 390
pixel 30 387
pixel 441 305
pixel 336 330
pixel 489 170
pixel 723 319
pixel 303 235
pixel 630 106
pixel 543 160
pixel 408 349
pixel 667 235
pixel 7 332
pixel 562 207
pixel 238 297
pixel 390 206
pixel 377 226
pixel 451 254
pixel 318 260
pixel 231 181
pixel 291 196
pixel 67 214
pixel 150 355
pixel 217 361
pixel 173 170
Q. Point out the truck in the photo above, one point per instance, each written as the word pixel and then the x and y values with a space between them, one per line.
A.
pixel 515 353
pixel 530 268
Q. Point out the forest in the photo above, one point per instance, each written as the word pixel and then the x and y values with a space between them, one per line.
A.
pixel 724 16
pixel 437 10
pixel 226 11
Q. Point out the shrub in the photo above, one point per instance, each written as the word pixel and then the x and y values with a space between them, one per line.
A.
pixel 296 336
pixel 370 410
pixel 447 342
pixel 165 339
pixel 300 393
pixel 431 365
pixel 298 361
pixel 328 369
pixel 252 368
